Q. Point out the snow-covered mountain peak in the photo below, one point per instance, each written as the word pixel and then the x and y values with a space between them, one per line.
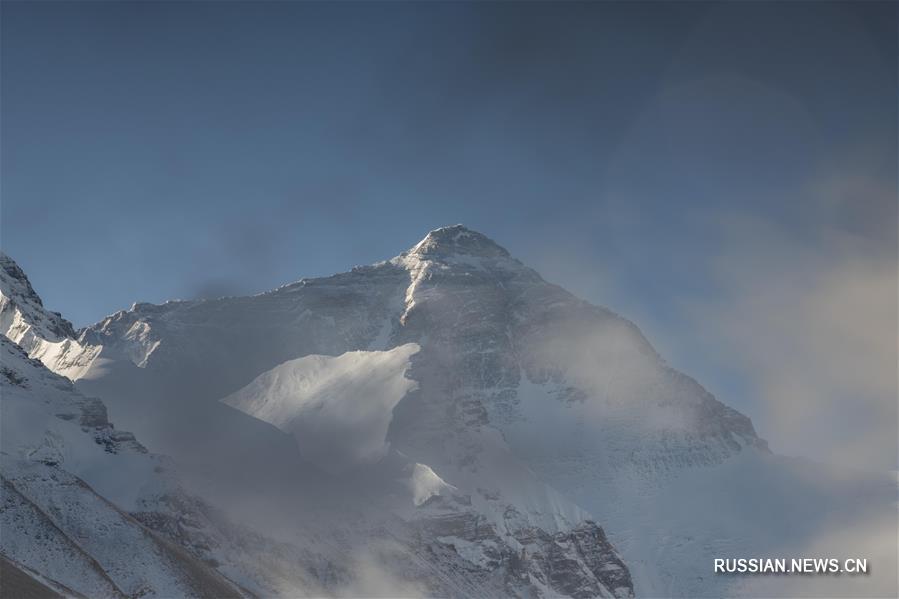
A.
pixel 17 292
pixel 467 258
pixel 456 240
pixel 44 335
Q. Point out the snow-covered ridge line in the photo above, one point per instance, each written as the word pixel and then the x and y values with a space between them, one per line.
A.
pixel 45 335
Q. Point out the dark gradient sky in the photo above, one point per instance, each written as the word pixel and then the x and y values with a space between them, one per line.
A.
pixel 178 150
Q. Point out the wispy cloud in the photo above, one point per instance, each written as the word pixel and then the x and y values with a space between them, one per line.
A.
pixel 811 321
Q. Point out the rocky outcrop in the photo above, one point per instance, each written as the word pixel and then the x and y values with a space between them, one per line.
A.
pixel 579 563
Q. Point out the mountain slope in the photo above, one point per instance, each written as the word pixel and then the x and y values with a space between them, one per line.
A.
pixel 57 524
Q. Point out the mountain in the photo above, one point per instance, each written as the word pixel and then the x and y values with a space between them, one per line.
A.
pixel 390 527
pixel 486 421
pixel 44 335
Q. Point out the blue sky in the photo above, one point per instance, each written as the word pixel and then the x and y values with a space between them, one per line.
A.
pixel 670 160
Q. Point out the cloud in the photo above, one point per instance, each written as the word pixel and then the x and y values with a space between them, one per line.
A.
pixel 870 536
pixel 781 296
pixel 338 408
pixel 366 572
pixel 373 578
pixel 812 324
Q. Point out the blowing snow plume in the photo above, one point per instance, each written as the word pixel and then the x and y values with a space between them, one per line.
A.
pixel 338 408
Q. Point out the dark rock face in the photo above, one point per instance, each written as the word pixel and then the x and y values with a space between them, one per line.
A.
pixel 115 441
pixel 93 413
pixel 579 563
pixel 17 582
pixel 13 377
pixel 589 544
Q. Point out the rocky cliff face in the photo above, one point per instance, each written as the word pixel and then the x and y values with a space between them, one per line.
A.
pixel 579 562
